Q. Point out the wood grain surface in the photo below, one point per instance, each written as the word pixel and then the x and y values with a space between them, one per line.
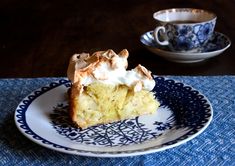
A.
pixel 38 37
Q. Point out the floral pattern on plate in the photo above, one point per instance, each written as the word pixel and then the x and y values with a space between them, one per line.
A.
pixel 122 133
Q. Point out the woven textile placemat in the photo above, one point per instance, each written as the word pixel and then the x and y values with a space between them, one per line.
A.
pixel 215 146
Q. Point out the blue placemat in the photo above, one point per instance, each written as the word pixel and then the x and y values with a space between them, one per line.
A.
pixel 215 146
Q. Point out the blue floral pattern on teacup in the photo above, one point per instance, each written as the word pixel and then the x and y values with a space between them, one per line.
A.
pixel 204 31
pixel 184 37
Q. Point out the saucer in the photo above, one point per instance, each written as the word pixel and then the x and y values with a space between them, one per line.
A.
pixel 215 46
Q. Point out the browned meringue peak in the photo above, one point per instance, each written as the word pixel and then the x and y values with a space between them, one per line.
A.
pixel 107 67
pixel 143 71
pixel 82 65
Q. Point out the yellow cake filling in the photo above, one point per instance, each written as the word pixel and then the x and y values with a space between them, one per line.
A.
pixel 101 103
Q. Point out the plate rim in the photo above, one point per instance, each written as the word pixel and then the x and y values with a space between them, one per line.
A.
pixel 61 148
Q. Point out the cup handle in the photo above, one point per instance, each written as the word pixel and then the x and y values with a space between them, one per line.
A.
pixel 155 35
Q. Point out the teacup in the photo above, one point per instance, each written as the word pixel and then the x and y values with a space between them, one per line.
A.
pixel 184 29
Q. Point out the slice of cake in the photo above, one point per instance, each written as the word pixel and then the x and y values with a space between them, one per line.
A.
pixel 104 91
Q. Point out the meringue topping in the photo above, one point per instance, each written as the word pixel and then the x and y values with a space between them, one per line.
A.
pixel 110 68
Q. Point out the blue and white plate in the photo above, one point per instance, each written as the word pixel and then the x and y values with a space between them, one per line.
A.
pixel 215 46
pixel 184 113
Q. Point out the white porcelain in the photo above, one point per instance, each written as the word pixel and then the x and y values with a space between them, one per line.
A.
pixel 215 46
pixel 42 117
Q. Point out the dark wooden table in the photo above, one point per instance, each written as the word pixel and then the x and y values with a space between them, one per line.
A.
pixel 38 37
